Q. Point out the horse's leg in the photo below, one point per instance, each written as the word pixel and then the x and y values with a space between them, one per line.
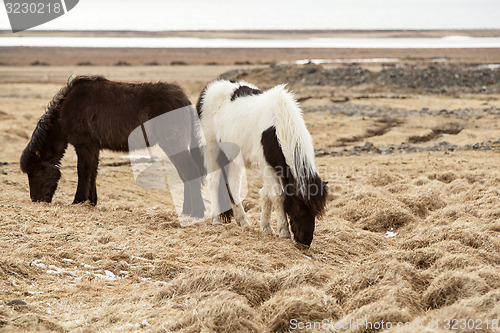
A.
pixel 197 160
pixel 199 166
pixel 190 175
pixel 88 159
pixel 214 183
pixel 221 199
pixel 275 194
pixel 278 200
pixel 240 216
pixel 234 181
pixel 265 217
pixel 267 194
pixel 93 177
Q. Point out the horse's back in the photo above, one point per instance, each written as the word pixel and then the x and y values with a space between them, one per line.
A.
pixel 104 112
pixel 241 118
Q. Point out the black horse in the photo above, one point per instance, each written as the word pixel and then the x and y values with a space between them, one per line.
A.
pixel 93 113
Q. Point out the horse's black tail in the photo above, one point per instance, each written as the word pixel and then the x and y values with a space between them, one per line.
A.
pixel 48 121
pixel 225 215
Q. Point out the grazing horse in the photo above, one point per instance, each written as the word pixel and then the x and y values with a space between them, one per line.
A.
pixel 271 133
pixel 93 113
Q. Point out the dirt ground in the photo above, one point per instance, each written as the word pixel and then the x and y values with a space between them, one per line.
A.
pixel 410 239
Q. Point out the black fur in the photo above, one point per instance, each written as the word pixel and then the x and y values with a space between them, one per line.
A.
pixel 243 91
pixel 199 103
pixel 93 113
pixel 223 161
pixel 301 210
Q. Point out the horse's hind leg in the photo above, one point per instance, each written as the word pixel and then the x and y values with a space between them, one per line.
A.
pixel 88 160
pixel 230 177
pixel 220 200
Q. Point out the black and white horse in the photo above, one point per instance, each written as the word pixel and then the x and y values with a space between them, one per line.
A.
pixel 271 133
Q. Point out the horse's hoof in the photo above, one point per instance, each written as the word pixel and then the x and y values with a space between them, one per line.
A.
pixel 285 234
pixel 244 223
pixel 301 246
pixel 269 232
pixel 186 220
pixel 216 222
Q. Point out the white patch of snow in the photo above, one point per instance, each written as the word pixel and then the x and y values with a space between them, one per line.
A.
pixel 390 234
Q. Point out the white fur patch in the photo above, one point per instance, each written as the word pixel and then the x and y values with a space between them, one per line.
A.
pixel 243 121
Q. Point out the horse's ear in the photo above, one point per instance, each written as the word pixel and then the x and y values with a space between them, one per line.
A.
pixel 37 153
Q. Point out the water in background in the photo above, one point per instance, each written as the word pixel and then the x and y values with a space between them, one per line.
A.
pixel 145 42
pixel 275 14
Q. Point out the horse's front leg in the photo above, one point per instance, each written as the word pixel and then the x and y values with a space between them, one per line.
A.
pixel 273 196
pixel 88 160
pixel 265 216
pixel 278 204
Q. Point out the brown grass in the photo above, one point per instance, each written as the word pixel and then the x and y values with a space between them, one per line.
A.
pixel 406 238
pixel 377 212
pixel 218 311
pixel 304 304
pixel 450 286
pixel 245 283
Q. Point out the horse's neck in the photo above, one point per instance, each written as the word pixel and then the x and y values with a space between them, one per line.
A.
pixel 54 143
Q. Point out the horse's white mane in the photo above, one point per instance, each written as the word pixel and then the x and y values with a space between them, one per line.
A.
pixel 293 136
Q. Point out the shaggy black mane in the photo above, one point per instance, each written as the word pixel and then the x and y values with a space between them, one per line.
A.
pixel 92 113
pixel 47 121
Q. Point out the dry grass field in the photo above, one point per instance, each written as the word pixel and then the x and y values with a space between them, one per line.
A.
pixel 410 238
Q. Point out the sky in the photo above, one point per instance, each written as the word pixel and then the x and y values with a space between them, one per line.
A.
pixel 275 14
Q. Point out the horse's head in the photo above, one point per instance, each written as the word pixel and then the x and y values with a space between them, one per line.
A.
pixel 303 211
pixel 43 181
pixel 302 220
pixel 43 176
